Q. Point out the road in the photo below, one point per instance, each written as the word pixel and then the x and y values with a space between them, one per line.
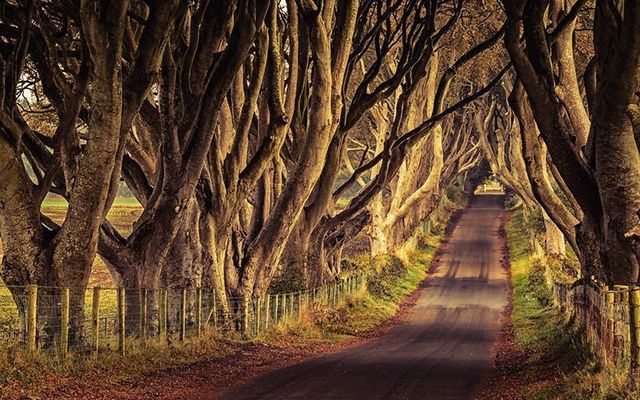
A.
pixel 441 350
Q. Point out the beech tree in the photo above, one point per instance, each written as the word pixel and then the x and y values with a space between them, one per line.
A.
pixel 67 58
pixel 600 169
pixel 427 170
pixel 400 140
pixel 242 232
pixel 186 168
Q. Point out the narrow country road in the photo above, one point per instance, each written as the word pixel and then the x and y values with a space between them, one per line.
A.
pixel 442 349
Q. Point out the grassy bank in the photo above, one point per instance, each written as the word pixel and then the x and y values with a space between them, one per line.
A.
pixel 361 314
pixel 391 279
pixel 556 362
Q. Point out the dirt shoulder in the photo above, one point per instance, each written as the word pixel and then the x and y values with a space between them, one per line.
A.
pixel 508 375
pixel 201 380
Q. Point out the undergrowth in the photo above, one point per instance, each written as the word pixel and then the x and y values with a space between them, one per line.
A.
pixel 390 281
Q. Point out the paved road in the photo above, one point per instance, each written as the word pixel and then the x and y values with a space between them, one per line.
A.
pixel 441 351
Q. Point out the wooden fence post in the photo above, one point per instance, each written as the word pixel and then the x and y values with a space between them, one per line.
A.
pixel 143 313
pixel 634 319
pixel 183 314
pixel 334 293
pixel 276 299
pixel 121 320
pixel 283 306
pixel 32 317
pixel 215 309
pixel 306 299
pixel 64 323
pixel 162 330
pixel 258 313
pixel 95 318
pixel 245 315
pixel 199 311
pixel 610 298
pixel 291 305
pixel 625 336
pixel 267 312
pixel 295 302
pixel 336 287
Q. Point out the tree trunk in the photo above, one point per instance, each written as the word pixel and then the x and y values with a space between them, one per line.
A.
pixel 617 161
pixel 554 239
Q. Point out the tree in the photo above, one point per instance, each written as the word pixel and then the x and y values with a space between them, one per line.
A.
pixel 600 172
pixel 72 55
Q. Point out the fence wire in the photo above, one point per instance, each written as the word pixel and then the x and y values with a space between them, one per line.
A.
pixel 58 320
pixel 609 316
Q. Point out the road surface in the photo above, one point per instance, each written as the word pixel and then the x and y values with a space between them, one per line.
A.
pixel 441 350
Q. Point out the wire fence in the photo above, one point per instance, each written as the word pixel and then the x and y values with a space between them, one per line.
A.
pixel 610 318
pixel 93 320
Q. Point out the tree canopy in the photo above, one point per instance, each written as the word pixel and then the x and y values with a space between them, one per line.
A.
pixel 259 134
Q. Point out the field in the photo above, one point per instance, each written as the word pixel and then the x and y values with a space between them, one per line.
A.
pixel 122 215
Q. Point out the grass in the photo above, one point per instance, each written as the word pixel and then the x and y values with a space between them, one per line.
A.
pixel 364 311
pixel 122 215
pixel 552 344
pixel 535 320
pixel 54 201
pixel 22 374
pixel 392 277
pixel 124 212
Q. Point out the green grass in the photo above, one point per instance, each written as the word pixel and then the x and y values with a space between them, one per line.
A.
pixel 358 314
pixel 54 200
pixel 534 319
pixel 395 277
pixel 364 311
pixel 124 212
